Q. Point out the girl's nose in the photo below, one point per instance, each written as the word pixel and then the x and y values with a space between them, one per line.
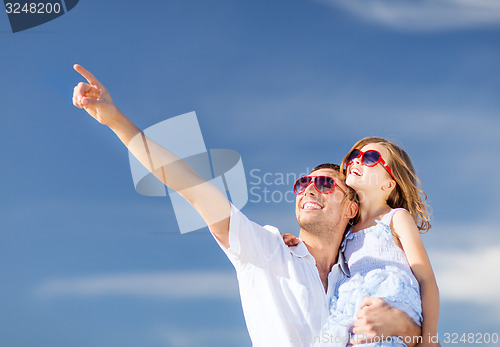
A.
pixel 356 161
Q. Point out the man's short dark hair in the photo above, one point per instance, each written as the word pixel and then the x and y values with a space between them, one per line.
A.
pixel 330 166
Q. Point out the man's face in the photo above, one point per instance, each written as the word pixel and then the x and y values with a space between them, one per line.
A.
pixel 317 212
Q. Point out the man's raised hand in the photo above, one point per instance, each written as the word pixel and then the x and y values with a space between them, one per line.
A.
pixel 94 98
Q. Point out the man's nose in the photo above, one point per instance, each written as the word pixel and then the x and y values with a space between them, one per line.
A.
pixel 310 189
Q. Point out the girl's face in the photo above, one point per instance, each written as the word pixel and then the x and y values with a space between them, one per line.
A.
pixel 365 178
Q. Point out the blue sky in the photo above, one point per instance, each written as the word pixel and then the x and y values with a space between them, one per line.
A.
pixel 86 261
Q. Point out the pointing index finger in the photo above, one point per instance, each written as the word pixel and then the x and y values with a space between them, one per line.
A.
pixel 87 75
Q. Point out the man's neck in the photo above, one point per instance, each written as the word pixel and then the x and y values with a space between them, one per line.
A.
pixel 324 249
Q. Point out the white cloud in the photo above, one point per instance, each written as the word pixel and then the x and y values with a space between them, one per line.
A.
pixel 181 285
pixel 425 15
pixel 468 275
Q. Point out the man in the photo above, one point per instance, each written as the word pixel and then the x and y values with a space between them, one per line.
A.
pixel 284 291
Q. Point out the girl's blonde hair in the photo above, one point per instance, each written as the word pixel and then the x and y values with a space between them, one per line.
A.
pixel 408 193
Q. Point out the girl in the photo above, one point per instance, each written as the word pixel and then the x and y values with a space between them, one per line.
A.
pixel 384 250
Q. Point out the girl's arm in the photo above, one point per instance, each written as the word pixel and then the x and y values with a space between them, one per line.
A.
pixel 408 234
pixel 174 172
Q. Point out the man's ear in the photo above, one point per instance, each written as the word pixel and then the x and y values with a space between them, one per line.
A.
pixel 352 209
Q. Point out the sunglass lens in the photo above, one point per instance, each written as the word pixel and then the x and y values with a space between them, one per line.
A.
pixel 354 154
pixel 301 184
pixel 324 184
pixel 370 158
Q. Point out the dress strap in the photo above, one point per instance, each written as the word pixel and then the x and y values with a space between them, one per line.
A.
pixel 388 217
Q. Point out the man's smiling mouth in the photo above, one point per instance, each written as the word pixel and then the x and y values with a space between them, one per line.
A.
pixel 311 206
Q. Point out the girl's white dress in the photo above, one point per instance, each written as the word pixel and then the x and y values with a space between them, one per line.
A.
pixel 378 268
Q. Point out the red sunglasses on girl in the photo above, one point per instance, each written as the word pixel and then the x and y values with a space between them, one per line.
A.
pixel 369 158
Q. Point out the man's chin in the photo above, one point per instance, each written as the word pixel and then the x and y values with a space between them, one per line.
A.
pixel 309 223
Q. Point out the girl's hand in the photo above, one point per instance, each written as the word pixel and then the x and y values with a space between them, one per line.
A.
pixel 94 98
pixel 290 240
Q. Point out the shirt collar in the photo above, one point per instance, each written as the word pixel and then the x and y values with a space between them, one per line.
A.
pixel 343 264
pixel 301 251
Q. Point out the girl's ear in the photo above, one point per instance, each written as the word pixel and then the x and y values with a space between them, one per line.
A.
pixel 389 186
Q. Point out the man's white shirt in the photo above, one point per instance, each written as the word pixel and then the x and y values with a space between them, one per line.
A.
pixel 283 298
